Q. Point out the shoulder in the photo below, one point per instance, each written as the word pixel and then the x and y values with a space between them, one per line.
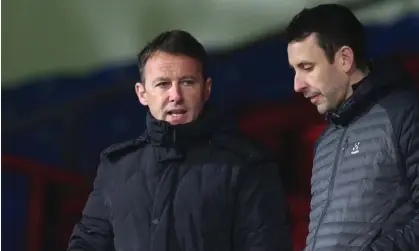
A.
pixel 401 106
pixel 400 99
pixel 394 89
pixel 244 148
pixel 119 150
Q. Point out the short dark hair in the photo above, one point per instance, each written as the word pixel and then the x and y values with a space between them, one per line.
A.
pixel 176 42
pixel 335 26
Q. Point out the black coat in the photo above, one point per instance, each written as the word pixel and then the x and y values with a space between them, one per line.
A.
pixel 198 186
pixel 365 183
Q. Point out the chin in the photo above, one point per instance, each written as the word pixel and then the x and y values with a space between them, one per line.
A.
pixel 321 109
pixel 176 122
pixel 179 121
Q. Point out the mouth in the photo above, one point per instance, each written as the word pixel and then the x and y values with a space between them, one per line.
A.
pixel 176 115
pixel 313 97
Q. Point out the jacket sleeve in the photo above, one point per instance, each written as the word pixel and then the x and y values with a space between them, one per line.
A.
pixel 406 237
pixel 93 232
pixel 261 215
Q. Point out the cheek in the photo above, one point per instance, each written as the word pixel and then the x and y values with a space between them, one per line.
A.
pixel 316 81
pixel 158 99
pixel 194 97
pixel 191 98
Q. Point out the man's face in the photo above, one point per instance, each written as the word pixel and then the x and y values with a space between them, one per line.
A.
pixel 325 84
pixel 174 88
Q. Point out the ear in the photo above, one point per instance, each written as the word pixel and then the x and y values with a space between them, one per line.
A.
pixel 346 59
pixel 141 93
pixel 207 89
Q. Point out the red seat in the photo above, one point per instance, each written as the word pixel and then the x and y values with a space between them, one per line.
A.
pixel 299 208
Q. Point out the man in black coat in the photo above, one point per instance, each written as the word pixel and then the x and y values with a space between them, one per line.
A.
pixel 191 182
pixel 365 177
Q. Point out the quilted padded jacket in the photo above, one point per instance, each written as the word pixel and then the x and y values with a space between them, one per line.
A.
pixel 365 178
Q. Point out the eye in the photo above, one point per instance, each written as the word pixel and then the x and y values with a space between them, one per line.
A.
pixel 188 82
pixel 163 85
pixel 308 68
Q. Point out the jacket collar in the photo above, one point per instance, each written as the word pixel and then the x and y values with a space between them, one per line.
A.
pixel 183 136
pixel 384 77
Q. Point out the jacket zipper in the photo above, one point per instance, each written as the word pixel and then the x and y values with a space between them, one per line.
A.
pixel 342 146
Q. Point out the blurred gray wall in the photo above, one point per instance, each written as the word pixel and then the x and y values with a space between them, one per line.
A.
pixel 48 37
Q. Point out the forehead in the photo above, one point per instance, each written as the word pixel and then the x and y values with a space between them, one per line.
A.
pixel 307 50
pixel 170 65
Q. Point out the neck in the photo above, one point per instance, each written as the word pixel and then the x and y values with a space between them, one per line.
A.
pixel 354 79
pixel 357 76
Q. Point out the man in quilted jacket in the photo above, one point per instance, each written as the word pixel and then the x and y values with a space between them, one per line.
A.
pixel 365 176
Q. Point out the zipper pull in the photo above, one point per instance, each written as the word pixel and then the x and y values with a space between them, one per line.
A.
pixel 345 145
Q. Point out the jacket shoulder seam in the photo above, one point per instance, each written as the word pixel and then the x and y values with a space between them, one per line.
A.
pixel 250 151
pixel 120 149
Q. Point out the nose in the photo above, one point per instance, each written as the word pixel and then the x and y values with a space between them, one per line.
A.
pixel 175 93
pixel 299 84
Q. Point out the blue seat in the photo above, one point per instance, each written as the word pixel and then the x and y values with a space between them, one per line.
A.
pixel 14 211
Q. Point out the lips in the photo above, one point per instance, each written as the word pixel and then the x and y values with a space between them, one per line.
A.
pixel 176 116
pixel 314 96
pixel 176 112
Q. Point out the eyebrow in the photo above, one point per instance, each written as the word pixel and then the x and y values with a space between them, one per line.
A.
pixel 188 77
pixel 161 79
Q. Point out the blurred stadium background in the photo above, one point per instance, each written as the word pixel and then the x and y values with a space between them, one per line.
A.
pixel 67 93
